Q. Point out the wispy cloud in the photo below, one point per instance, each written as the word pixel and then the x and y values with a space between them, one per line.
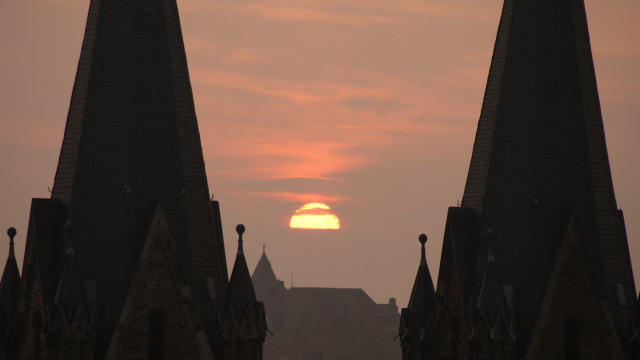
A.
pixel 296 197
pixel 307 14
pixel 267 160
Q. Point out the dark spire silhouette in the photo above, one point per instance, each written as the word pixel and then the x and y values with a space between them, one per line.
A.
pixel 540 148
pixel 423 293
pixel 539 154
pixel 131 137
pixel 263 273
pixel 240 293
pixel 10 284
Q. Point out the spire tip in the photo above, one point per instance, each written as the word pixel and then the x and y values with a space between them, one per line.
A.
pixel 423 239
pixel 240 230
pixel 12 233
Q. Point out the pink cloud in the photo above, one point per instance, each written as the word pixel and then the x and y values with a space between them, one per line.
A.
pixel 19 133
pixel 315 15
pixel 72 3
pixel 198 45
pixel 295 197
pixel 273 160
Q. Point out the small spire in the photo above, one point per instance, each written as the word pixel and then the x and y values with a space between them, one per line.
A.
pixel 240 230
pixel 68 229
pixel 264 245
pixel 12 233
pixel 423 293
pixel 423 240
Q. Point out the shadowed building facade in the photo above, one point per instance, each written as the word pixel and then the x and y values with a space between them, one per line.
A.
pixel 535 262
pixel 127 259
pixel 308 323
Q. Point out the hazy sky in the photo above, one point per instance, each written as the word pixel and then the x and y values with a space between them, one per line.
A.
pixel 368 106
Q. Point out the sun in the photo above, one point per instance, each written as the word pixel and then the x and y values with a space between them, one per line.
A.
pixel 314 216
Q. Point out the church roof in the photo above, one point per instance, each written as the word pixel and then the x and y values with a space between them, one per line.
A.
pixel 331 295
pixel 132 137
pixel 539 148
pixel 263 273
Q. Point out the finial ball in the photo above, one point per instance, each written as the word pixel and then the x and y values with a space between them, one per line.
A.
pixel 240 229
pixel 422 238
pixel 69 225
pixel 11 232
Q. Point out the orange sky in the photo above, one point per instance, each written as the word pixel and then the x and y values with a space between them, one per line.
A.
pixel 369 106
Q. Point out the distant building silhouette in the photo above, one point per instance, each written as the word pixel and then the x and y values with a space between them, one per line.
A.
pixel 535 262
pixel 126 260
pixel 324 323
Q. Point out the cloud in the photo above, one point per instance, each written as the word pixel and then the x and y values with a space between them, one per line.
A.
pixel 71 3
pixel 26 134
pixel 269 159
pixel 254 85
pixel 198 46
pixel 373 104
pixel 296 197
pixel 307 14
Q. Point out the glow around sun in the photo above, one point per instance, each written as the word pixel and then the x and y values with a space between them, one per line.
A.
pixel 314 216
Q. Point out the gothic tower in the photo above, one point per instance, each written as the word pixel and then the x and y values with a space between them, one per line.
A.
pixel 126 259
pixel 556 280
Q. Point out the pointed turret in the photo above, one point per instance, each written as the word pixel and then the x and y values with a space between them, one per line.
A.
pixel 415 318
pixel 240 292
pixel 244 323
pixel 263 273
pixel 9 286
pixel 423 294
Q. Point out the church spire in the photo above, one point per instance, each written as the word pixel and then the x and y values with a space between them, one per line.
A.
pixel 240 292
pixel 415 319
pixel 10 284
pixel 131 139
pixel 539 149
pixel 423 294
pixel 263 274
pixel 244 321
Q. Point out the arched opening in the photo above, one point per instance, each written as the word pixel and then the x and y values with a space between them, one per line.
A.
pixel 571 339
pixel 156 336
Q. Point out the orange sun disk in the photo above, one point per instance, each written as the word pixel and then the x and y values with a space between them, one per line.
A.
pixel 314 216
